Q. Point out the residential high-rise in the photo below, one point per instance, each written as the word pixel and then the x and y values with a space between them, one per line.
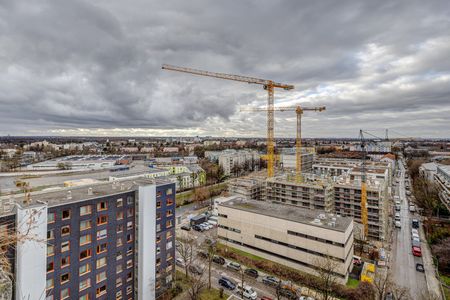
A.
pixel 108 241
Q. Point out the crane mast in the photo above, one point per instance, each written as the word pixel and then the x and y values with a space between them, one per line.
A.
pixel 268 85
pixel 364 213
pixel 298 141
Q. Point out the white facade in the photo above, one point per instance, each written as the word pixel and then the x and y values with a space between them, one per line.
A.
pixel 147 241
pixel 229 158
pixel 31 252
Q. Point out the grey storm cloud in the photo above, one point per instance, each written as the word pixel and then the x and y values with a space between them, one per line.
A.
pixel 83 67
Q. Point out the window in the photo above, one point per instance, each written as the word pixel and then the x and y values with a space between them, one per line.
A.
pixel 101 276
pixel 85 239
pixel 129 276
pixel 50 283
pixel 102 220
pixel 169 192
pixel 65 246
pixel 65 293
pixel 85 254
pixel 119 228
pixel 50 218
pixel 50 267
pixel 85 210
pixel 84 284
pixel 65 278
pixel 129 289
pixel 130 212
pixel 86 224
pixel 169 245
pixel 169 201
pixel 169 223
pixel 158 204
pixel 119 215
pixel 119 269
pixel 168 235
pixel 101 290
pixel 50 234
pixel 101 262
pixel 84 269
pixel 130 200
pixel 102 206
pixel 101 234
pixel 129 237
pixel 129 263
pixel 130 250
pixel 129 225
pixel 118 255
pixel 119 242
pixel 65 261
pixel 119 202
pixel 50 250
pixel 85 297
pixel 118 281
pixel 118 295
pixel 101 248
pixel 158 194
pixel 65 230
pixel 169 213
pixel 158 216
pixel 66 214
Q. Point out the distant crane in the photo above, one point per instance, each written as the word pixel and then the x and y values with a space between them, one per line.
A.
pixel 364 213
pixel 298 141
pixel 268 85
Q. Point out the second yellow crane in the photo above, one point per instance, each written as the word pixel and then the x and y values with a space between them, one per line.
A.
pixel 298 141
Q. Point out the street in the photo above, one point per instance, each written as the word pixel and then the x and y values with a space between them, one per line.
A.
pixel 403 265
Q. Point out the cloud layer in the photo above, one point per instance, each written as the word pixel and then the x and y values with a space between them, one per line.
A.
pixel 85 68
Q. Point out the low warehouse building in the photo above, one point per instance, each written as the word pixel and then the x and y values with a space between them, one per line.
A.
pixel 292 236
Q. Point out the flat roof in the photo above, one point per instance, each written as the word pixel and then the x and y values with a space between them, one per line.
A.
pixel 290 213
pixel 54 197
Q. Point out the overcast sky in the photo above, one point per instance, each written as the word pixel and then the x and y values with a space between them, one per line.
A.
pixel 94 67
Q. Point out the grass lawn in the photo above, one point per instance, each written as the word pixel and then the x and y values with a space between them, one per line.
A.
pixel 352 283
pixel 183 196
pixel 446 280
pixel 212 294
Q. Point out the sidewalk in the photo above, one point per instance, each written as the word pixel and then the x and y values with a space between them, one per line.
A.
pixel 433 284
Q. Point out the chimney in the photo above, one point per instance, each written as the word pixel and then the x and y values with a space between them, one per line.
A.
pixel 90 193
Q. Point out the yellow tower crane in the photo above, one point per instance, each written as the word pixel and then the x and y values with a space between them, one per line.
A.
pixel 298 141
pixel 268 85
pixel 364 213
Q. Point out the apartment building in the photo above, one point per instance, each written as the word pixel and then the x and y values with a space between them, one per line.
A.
pixel 347 202
pixel 102 242
pixel 248 187
pixel 313 192
pixel 229 158
pixel 289 161
pixel 442 180
pixel 295 237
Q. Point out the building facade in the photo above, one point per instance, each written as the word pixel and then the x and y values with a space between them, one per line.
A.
pixel 442 180
pixel 298 238
pixel 90 240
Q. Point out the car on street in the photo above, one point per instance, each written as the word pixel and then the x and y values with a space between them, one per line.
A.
pixel 415 223
pixel 227 283
pixel 234 266
pixel 416 251
pixel 271 280
pixel 288 294
pixel 196 270
pixel 412 208
pixel 397 208
pixel 251 272
pixel 219 260
pixel 414 231
pixel 415 243
pixel 203 227
pixel 198 228
pixel 415 236
pixel 420 268
pixel 179 262
pixel 389 296
pixel 207 225
pixel 247 291
pixel 266 298
pixel 186 227
pixel 202 254
pixel 398 224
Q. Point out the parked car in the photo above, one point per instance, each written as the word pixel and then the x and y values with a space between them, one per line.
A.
pixel 288 294
pixel 415 243
pixel 416 251
pixel 234 266
pixel 265 298
pixel 248 292
pixel 397 208
pixel 207 225
pixel 194 269
pixel 186 227
pixel 398 224
pixel 389 296
pixel 415 240
pixel 251 272
pixel 180 262
pixel 357 260
pixel 227 283
pixel 415 223
pixel 412 208
pixel 219 260
pixel 270 280
pixel 420 268
pixel 202 254
pixel 414 231
pixel 415 236
pixel 198 228
pixel 203 227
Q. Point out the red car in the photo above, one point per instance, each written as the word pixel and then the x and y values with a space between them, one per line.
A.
pixel 266 298
pixel 416 251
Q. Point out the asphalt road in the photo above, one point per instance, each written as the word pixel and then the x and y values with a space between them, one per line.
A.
pixel 403 266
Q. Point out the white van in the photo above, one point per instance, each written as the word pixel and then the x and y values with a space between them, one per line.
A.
pixel 249 293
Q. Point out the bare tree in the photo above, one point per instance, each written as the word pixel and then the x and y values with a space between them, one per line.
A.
pixel 210 246
pixel 196 284
pixel 384 285
pixel 326 271
pixel 185 249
